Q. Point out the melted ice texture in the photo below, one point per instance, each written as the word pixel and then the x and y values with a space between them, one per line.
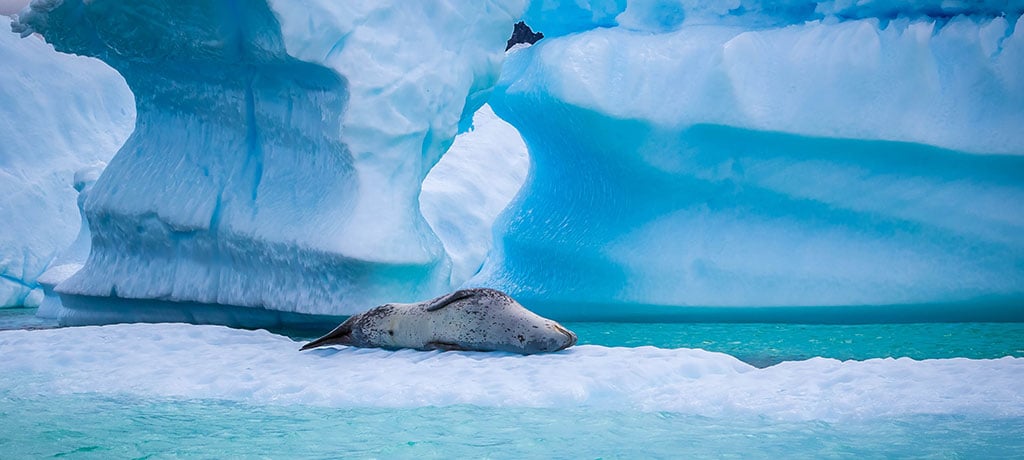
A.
pixel 175 360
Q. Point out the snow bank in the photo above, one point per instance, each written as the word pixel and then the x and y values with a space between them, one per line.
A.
pixel 174 360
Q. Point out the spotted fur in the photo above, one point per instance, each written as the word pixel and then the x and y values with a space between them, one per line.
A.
pixel 469 319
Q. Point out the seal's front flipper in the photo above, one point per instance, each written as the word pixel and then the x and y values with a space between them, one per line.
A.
pixel 445 346
pixel 448 299
pixel 341 335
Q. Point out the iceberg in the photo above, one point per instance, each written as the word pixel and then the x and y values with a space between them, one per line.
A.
pixel 828 164
pixel 279 149
pixel 62 114
pixel 827 161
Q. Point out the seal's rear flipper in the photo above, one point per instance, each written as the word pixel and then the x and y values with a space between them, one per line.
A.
pixel 341 335
pixel 448 299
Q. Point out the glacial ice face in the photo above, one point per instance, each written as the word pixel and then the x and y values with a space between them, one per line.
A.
pixel 279 148
pixel 836 163
pixel 60 113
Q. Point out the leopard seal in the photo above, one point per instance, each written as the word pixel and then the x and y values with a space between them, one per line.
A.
pixel 477 319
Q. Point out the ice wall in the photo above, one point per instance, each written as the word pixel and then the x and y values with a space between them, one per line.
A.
pixel 58 113
pixel 279 148
pixel 702 155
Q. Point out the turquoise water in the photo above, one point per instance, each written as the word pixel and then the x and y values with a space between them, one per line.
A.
pixel 768 344
pixel 90 426
pixel 23 318
pixel 763 344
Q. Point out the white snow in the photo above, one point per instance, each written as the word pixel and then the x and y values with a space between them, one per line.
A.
pixel 176 360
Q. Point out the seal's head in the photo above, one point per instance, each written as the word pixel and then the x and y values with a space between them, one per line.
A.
pixel 551 337
pixel 490 319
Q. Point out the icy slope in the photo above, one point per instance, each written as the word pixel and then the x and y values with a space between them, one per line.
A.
pixel 58 114
pixel 279 148
pixel 836 162
pixel 200 362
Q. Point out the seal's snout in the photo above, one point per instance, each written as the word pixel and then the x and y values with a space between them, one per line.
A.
pixel 570 336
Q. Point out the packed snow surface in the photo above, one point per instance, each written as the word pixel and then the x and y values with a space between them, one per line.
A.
pixel 176 360
pixel 59 114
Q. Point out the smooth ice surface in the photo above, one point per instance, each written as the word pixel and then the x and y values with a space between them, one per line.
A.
pixel 836 163
pixel 473 182
pixel 175 360
pixel 58 114
pixel 280 146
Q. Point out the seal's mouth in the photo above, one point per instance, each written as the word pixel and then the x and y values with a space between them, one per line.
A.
pixel 568 334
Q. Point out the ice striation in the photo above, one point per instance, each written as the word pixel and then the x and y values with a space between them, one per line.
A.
pixel 60 114
pixel 279 149
pixel 835 169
